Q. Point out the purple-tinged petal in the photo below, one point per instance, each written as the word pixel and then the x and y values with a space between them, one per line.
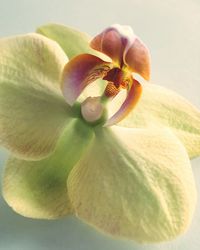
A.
pixel 79 72
pixel 113 42
pixel 133 96
pixel 137 58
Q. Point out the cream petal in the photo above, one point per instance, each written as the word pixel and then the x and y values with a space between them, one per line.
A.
pixel 134 184
pixel 33 112
pixel 72 41
pixel 160 107
pixel 37 189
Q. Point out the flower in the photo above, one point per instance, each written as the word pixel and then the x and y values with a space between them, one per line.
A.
pixel 132 180
pixel 128 55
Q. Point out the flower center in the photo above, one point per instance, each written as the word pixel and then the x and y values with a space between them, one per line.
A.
pixel 117 79
pixel 92 109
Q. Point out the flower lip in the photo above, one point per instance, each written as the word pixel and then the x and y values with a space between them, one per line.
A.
pixel 132 98
pixel 113 42
pixel 124 48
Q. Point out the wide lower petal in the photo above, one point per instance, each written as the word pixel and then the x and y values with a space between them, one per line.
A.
pixel 135 184
pixel 159 106
pixel 33 111
pixel 37 189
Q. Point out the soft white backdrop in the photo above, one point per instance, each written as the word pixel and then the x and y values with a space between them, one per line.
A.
pixel 171 30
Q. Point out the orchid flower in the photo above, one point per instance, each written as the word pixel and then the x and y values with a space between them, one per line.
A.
pixel 132 180
pixel 129 55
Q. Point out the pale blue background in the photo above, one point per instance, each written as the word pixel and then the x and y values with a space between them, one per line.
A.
pixel 171 29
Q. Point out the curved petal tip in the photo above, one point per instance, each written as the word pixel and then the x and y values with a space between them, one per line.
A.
pixel 137 58
pixel 133 96
pixel 79 72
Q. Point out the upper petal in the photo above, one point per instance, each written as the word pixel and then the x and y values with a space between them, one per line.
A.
pixel 33 112
pixel 159 106
pixel 72 41
pixel 135 184
pixel 79 72
pixel 37 189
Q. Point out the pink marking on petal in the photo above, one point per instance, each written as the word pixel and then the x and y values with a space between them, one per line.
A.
pixel 113 42
pixel 137 58
pixel 79 72
pixel 133 96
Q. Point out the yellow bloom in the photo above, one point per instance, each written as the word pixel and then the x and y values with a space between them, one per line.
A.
pixel 132 180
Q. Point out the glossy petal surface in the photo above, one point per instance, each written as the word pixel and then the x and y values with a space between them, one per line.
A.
pixel 159 106
pixel 33 111
pixel 134 184
pixel 80 72
pixel 37 189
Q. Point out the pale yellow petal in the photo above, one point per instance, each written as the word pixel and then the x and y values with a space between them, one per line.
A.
pixel 160 107
pixel 134 184
pixel 33 112
pixel 37 189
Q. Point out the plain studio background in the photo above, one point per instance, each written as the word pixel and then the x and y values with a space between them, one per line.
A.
pixel 171 30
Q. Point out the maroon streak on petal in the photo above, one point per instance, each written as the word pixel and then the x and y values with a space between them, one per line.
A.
pixel 79 72
pixel 115 75
pixel 133 96
pixel 111 43
pixel 137 58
